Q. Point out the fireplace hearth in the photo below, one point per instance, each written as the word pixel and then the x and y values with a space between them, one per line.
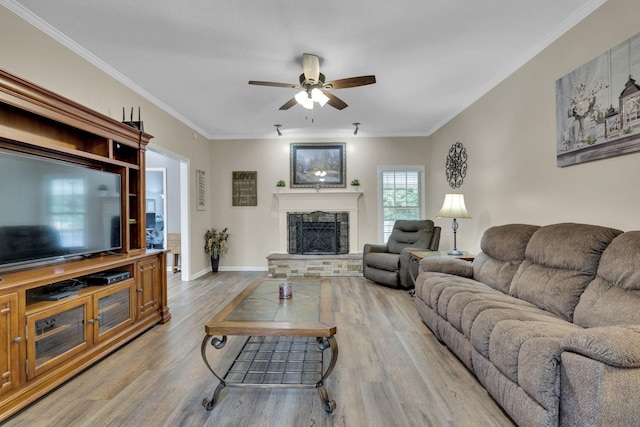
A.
pixel 318 233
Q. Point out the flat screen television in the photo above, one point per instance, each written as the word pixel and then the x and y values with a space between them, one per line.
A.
pixel 52 210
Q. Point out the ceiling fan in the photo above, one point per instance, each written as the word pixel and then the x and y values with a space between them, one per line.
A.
pixel 315 88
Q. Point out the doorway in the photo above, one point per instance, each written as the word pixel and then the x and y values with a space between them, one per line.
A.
pixel 167 185
pixel 156 211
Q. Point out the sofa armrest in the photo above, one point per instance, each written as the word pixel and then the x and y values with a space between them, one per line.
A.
pixel 370 247
pixel 617 346
pixel 600 377
pixel 444 264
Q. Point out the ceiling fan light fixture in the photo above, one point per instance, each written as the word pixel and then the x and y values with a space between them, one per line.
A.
pixel 313 83
pixel 303 99
pixel 318 96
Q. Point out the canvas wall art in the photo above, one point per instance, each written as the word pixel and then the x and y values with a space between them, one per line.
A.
pixel 598 106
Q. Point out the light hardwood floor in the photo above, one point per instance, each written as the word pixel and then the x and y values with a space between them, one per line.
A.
pixel 391 371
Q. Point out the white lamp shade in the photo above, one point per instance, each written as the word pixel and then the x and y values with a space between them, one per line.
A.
pixel 453 207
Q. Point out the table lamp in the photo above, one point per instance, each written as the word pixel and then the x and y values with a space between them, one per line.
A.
pixel 453 207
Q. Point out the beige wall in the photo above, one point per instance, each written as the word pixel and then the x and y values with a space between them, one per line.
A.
pixel 510 138
pixel 509 135
pixel 30 54
pixel 253 230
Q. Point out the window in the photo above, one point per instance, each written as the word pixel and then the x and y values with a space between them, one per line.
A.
pixel 68 210
pixel 401 190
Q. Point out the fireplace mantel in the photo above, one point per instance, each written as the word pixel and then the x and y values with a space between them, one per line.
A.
pixel 323 200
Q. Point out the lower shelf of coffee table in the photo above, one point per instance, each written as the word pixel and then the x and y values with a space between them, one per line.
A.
pixel 277 360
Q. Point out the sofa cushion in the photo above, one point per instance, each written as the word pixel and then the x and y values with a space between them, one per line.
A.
pixel 467 306
pixel 503 248
pixel 487 319
pixel 521 407
pixel 528 353
pixel 410 233
pixel 613 297
pixel 453 300
pixel 432 287
pixel 560 261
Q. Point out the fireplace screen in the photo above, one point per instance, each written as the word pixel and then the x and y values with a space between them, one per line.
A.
pixel 318 233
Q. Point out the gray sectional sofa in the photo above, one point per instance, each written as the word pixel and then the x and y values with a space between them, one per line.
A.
pixel 547 318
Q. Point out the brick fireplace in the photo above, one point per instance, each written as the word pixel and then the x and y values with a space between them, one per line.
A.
pixel 318 233
pixel 330 215
pixel 327 201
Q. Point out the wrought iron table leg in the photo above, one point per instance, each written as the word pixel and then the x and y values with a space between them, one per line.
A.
pixel 413 262
pixel 217 344
pixel 329 405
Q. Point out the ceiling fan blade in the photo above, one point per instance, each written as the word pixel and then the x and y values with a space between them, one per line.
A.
pixel 311 67
pixel 290 103
pixel 336 102
pixel 350 82
pixel 273 84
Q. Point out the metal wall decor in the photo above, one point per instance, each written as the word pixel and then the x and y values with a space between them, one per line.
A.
pixel 456 165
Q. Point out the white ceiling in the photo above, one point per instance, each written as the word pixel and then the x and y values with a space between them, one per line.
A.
pixel 193 58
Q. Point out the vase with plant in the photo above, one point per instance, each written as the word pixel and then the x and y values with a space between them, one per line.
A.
pixel 355 182
pixel 216 244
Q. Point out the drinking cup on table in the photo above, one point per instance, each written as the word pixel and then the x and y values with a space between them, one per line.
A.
pixel 286 291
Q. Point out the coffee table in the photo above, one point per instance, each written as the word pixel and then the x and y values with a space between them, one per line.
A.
pixel 286 338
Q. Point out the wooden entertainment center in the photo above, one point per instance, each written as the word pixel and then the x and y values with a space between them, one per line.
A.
pixel 45 343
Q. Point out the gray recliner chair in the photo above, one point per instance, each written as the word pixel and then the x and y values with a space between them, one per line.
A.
pixel 389 264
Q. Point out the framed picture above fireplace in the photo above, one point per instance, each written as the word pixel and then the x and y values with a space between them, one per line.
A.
pixel 315 165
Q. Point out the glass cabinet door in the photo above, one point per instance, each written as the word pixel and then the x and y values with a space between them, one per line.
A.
pixel 114 310
pixel 57 334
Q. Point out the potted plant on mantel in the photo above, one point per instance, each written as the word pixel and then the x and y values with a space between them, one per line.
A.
pixel 215 244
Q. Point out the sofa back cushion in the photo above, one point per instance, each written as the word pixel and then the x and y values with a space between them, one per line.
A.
pixel 560 261
pixel 503 249
pixel 410 233
pixel 613 297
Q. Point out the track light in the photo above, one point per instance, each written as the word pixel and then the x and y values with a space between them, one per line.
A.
pixel 355 132
pixel 278 131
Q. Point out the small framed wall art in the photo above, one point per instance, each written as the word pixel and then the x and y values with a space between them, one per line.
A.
pixel 200 188
pixel 244 188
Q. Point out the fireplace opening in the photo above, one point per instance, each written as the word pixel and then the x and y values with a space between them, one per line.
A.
pixel 318 233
